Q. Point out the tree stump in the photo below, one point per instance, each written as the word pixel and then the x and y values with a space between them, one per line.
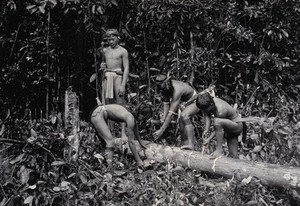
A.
pixel 71 121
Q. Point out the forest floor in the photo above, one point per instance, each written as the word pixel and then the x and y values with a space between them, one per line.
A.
pixel 35 171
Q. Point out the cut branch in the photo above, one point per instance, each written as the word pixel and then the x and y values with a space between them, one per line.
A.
pixel 269 174
pixel 11 141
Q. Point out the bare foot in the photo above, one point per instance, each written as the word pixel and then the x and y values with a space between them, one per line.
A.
pixel 216 154
pixel 140 169
pixel 140 165
pixel 187 147
pixel 124 139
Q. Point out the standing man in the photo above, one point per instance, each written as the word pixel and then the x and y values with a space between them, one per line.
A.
pixel 116 70
pixel 175 92
pixel 225 119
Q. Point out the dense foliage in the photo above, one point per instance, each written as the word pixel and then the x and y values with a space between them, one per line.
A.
pixel 48 45
pixel 248 49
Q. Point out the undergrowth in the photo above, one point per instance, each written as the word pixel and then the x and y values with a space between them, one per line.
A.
pixel 36 172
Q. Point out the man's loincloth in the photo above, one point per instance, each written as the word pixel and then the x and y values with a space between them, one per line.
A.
pixel 98 110
pixel 183 105
pixel 111 76
pixel 188 102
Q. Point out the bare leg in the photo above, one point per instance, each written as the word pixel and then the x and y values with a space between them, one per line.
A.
pixel 227 125
pixel 120 100
pixel 107 101
pixel 219 131
pixel 103 131
pixel 108 154
pixel 182 132
pixel 188 129
pixel 103 91
pixel 123 130
pixel 232 142
pixel 137 135
pixel 190 134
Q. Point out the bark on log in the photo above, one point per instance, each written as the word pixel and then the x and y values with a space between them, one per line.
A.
pixel 269 174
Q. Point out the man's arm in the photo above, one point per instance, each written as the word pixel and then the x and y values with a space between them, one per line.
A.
pixel 125 72
pixel 166 110
pixel 207 122
pixel 173 107
pixel 103 61
pixel 172 110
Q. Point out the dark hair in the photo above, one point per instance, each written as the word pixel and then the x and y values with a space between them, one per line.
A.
pixel 141 109
pixel 166 88
pixel 145 110
pixel 205 101
pixel 112 32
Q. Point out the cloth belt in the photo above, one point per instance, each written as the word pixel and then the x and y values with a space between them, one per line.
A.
pixel 98 110
pixel 183 105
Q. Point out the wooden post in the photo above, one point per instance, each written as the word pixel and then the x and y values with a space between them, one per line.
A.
pixel 71 125
pixel 269 174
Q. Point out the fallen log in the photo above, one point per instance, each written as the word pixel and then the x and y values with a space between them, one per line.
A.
pixel 269 174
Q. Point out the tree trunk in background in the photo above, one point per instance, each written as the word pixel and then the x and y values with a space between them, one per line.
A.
pixel 71 125
pixel 269 174
pixel 191 63
pixel 48 66
pixel 80 60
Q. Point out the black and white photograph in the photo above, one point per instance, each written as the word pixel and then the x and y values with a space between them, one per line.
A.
pixel 150 103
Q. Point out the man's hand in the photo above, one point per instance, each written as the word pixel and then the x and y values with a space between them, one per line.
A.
pixel 157 134
pixel 103 66
pixel 122 90
pixel 182 106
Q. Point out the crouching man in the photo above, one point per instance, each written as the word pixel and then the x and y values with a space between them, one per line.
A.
pixel 117 113
pixel 226 122
pixel 176 93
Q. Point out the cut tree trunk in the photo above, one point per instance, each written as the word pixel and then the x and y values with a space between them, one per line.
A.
pixel 71 125
pixel 269 174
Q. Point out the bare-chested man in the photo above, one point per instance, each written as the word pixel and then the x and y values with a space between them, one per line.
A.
pixel 116 71
pixel 116 113
pixel 226 122
pixel 175 92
